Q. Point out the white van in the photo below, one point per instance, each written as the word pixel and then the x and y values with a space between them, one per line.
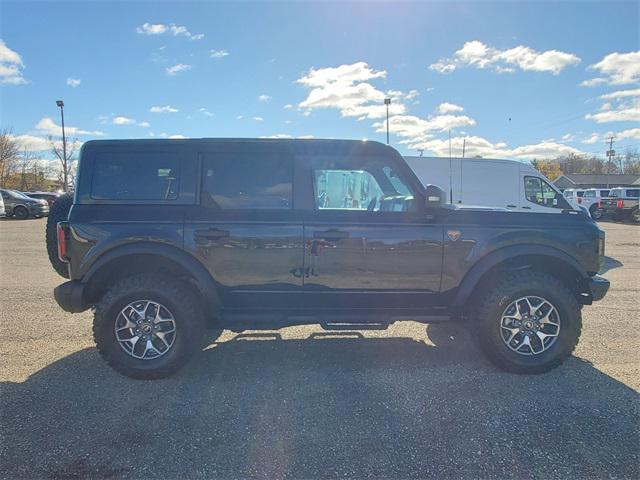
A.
pixel 509 184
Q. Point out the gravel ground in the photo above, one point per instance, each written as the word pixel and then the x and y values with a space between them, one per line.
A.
pixel 407 402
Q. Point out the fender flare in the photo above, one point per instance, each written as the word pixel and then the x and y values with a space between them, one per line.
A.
pixel 204 282
pixel 486 263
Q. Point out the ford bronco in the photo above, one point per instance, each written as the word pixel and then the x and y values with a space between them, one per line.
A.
pixel 165 237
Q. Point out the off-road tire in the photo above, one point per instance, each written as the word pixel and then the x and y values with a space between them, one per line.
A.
pixel 595 212
pixel 181 301
pixel 21 213
pixel 59 212
pixel 635 215
pixel 485 328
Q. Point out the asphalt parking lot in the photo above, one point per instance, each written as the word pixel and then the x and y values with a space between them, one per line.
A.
pixel 303 403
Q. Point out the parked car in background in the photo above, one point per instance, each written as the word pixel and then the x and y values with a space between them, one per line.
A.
pixel 592 201
pixel 2 212
pixel 21 206
pixel 574 195
pixel 623 203
pixel 49 197
pixel 507 184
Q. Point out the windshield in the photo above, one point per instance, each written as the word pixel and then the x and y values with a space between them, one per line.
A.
pixel 16 194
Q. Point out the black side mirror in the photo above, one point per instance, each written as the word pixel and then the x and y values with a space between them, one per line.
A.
pixel 435 197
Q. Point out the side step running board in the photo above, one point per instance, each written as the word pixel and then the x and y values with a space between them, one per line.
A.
pixel 354 326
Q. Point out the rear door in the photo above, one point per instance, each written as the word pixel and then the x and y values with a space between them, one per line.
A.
pixel 368 242
pixel 246 229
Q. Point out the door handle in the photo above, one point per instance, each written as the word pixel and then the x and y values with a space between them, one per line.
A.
pixel 203 236
pixel 331 235
pixel 511 206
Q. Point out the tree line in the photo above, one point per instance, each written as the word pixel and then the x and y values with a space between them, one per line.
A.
pixel 626 163
pixel 23 169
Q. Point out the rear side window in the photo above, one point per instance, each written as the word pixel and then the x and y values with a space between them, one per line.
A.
pixel 247 182
pixel 136 176
pixel 590 194
pixel 635 193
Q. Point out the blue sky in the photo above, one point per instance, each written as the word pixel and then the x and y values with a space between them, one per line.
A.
pixel 516 80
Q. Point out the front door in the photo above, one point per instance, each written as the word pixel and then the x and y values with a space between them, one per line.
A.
pixel 246 230
pixel 368 243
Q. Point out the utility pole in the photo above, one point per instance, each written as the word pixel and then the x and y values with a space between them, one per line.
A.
pixel 610 154
pixel 387 101
pixel 464 144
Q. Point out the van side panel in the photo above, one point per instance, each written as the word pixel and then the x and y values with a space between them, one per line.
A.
pixel 490 183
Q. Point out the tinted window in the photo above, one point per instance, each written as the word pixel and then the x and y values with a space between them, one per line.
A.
pixel 538 191
pixel 615 193
pixel 604 193
pixel 633 193
pixel 247 182
pixel 590 194
pixel 136 176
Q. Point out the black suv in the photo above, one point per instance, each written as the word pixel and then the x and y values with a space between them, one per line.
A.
pixel 166 236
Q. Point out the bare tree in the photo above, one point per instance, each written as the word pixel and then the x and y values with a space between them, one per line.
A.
pixel 67 163
pixel 26 163
pixel 9 152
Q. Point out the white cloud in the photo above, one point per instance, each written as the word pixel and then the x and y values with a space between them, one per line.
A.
pixel 623 113
pixel 175 69
pixel 144 124
pixel 288 106
pixel 617 69
pixel 264 98
pixel 621 94
pixel 176 137
pixel 633 133
pixel 11 66
pixel 218 53
pixel 416 128
pixel 165 109
pixel 206 112
pixel 345 88
pixel 479 55
pixel 120 120
pixel 479 146
pixel 239 117
pixel 173 29
pixel 449 108
pixel 258 119
pixel 73 82
pixel 47 126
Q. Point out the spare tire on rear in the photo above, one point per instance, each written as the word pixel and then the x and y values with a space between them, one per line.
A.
pixel 58 213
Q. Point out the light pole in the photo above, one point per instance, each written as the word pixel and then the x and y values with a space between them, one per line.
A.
pixel 387 101
pixel 60 104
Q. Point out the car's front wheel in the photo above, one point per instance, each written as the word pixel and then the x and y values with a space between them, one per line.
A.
pixel 528 322
pixel 21 213
pixel 148 326
pixel 596 213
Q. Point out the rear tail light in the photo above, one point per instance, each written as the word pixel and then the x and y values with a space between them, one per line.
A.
pixel 62 242
pixel 600 203
pixel 619 203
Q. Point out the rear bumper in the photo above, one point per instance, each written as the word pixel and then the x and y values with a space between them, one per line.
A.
pixel 70 296
pixel 599 286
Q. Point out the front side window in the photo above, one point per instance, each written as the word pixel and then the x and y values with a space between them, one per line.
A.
pixel 590 194
pixel 242 182
pixel 615 193
pixel 538 191
pixel 136 176
pixel 361 190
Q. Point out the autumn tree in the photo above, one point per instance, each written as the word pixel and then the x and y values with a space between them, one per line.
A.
pixel 9 154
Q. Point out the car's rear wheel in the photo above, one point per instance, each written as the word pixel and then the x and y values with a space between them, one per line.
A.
pixel 21 213
pixel 635 215
pixel 148 326
pixel 596 213
pixel 529 322
pixel 59 212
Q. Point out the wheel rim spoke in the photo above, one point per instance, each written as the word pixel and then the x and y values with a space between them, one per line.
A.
pixel 145 329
